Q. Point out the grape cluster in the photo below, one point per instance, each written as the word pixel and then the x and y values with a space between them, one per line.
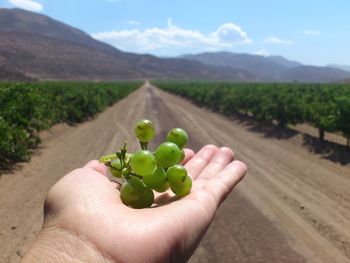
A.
pixel 145 171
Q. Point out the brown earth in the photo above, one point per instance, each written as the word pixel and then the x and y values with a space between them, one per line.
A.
pixel 294 206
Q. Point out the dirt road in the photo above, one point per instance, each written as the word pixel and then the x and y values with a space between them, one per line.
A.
pixel 292 207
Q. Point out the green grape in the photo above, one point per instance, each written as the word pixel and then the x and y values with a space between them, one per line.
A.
pixel 182 156
pixel 180 183
pixel 116 168
pixel 183 188
pixel 157 181
pixel 146 200
pixel 144 130
pixel 177 136
pixel 176 174
pixel 136 194
pixel 167 154
pixel 143 162
pixel 131 190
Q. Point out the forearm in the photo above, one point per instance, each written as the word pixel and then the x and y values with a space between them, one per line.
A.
pixel 55 245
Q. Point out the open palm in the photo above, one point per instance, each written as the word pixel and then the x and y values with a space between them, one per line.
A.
pixel 86 206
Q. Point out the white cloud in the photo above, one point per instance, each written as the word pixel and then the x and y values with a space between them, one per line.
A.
pixel 276 40
pixel 311 32
pixel 174 37
pixel 231 33
pixel 27 4
pixel 132 22
pixel 262 52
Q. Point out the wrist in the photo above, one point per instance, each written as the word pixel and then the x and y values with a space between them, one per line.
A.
pixel 59 245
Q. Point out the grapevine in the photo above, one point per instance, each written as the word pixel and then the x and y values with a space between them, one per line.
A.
pixel 144 171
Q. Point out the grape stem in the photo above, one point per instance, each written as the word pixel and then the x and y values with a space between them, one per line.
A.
pixel 108 158
pixel 122 155
pixel 133 174
pixel 144 145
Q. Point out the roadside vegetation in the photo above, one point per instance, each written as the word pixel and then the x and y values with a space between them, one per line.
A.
pixel 324 106
pixel 28 108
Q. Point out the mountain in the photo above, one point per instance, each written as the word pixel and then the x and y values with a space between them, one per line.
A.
pixel 13 76
pixel 18 20
pixel 35 46
pixel 258 65
pixel 42 57
pixel 284 62
pixel 342 67
pixel 271 68
pixel 315 74
pixel 40 47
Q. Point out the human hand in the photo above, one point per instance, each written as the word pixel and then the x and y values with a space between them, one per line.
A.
pixel 86 221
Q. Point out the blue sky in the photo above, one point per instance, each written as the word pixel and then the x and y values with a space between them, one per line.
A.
pixel 312 32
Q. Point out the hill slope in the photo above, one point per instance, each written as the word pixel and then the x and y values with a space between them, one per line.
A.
pixel 274 68
pixel 18 20
pixel 342 67
pixel 38 46
pixel 12 76
pixel 46 58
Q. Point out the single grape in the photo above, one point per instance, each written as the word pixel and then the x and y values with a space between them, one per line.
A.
pixel 116 168
pixel 136 194
pixel 157 181
pixel 131 190
pixel 144 131
pixel 167 154
pixel 143 162
pixel 146 200
pixel 183 188
pixel 177 136
pixel 180 183
pixel 182 156
pixel 176 174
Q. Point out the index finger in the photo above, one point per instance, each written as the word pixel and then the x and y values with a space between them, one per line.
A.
pixel 188 155
pixel 200 160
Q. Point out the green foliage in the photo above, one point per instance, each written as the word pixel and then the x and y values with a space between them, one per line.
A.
pixel 343 116
pixel 28 108
pixel 14 143
pixel 325 106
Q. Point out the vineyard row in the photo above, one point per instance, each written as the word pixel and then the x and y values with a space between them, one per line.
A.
pixel 28 108
pixel 325 106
